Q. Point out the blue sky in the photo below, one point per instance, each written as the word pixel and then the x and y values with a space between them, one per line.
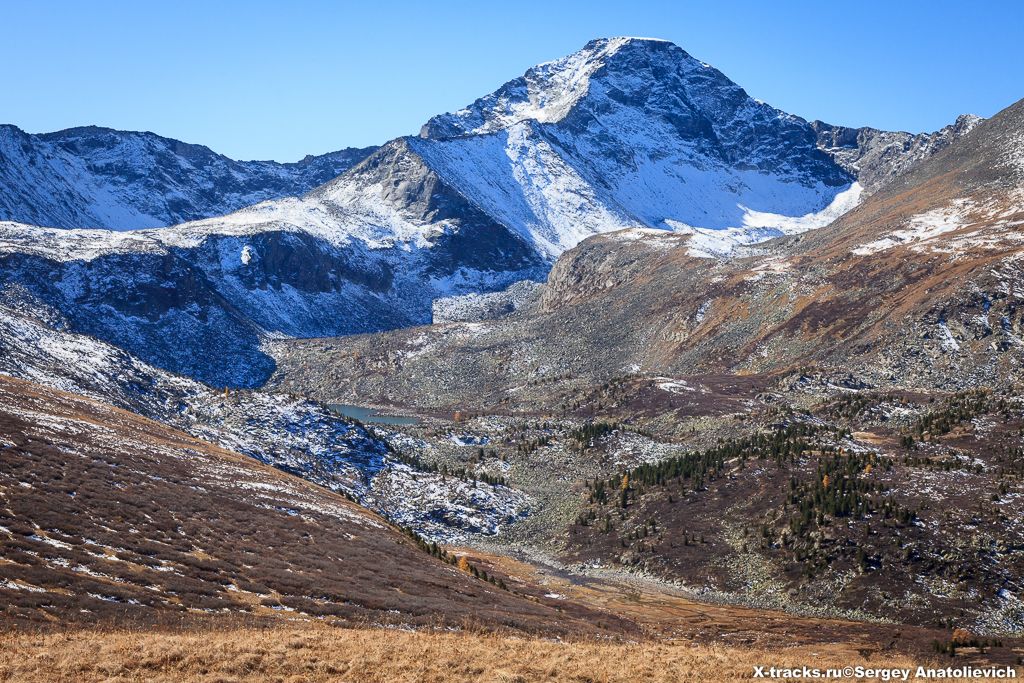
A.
pixel 278 80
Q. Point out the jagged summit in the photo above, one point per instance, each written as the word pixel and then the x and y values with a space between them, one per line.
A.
pixel 549 91
pixel 659 138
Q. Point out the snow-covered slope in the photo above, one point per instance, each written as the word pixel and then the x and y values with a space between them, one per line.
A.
pixel 628 133
pixel 93 177
pixel 199 299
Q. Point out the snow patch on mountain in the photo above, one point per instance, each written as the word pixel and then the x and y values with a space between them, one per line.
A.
pixel 949 342
pixel 922 227
pixel 673 386
pixel 842 203
pixel 759 226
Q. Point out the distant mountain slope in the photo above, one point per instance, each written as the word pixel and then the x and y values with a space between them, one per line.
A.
pixel 199 299
pixel 625 133
pixel 110 518
pixel 93 177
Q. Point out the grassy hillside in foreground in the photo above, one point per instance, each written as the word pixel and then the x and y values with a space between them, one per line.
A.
pixel 312 653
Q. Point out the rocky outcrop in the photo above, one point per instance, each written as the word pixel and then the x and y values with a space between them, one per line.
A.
pixel 517 298
pixel 878 156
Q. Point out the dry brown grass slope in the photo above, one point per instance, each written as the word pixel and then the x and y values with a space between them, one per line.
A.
pixel 317 653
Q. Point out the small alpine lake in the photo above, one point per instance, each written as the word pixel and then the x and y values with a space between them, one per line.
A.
pixel 368 414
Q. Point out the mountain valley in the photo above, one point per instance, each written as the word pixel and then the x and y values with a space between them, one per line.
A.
pixel 680 370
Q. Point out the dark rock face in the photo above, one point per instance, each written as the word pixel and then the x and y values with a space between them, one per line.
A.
pixel 292 259
pixel 486 247
pixel 93 177
pixel 156 306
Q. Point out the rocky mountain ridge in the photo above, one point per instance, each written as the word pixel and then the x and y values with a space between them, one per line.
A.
pixel 878 156
pixel 93 177
pixel 624 134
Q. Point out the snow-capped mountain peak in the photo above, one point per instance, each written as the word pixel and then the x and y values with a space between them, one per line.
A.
pixel 627 86
pixel 630 133
pixel 625 134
